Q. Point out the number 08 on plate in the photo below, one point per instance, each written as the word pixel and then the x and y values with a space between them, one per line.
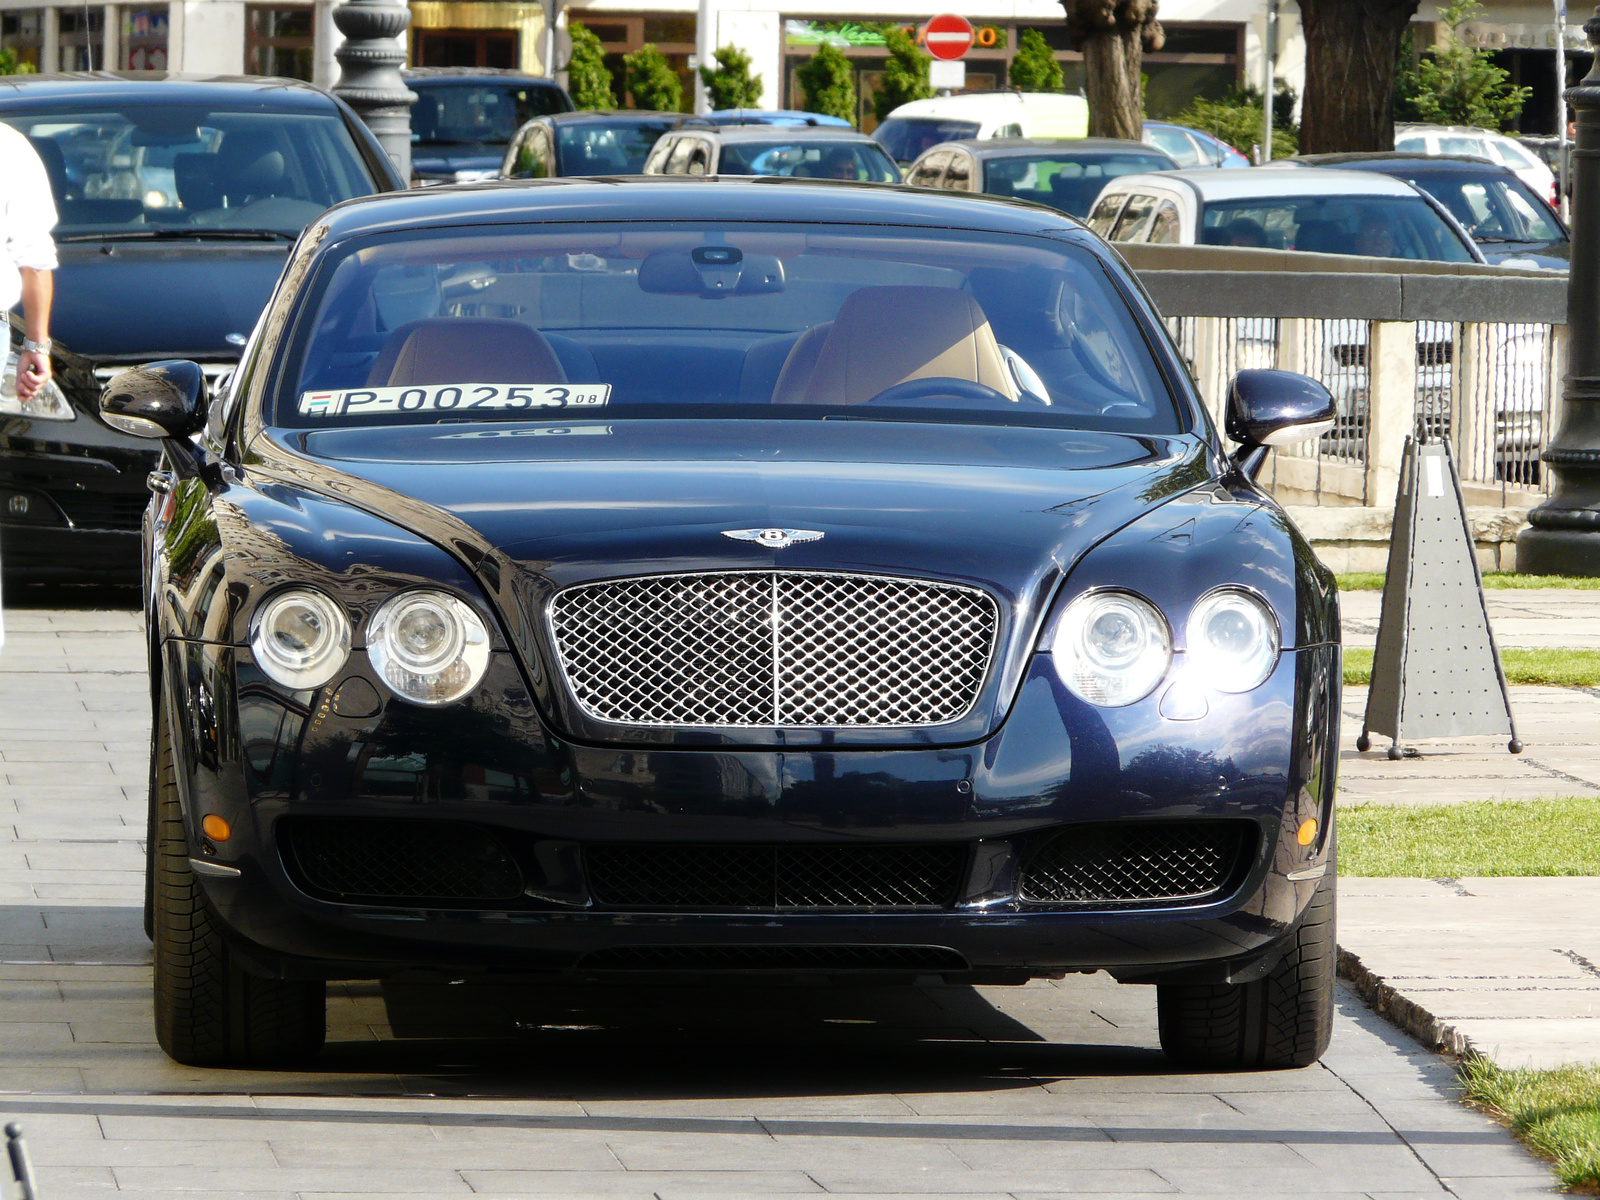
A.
pixel 463 398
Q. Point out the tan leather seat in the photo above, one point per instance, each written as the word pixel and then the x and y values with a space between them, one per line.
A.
pixel 465 350
pixel 884 336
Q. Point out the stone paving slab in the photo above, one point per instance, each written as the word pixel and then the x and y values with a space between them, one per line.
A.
pixel 1499 966
pixel 1542 618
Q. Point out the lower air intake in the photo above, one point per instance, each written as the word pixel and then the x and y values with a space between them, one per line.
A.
pixel 775 877
pixel 928 959
pixel 388 861
pixel 1123 864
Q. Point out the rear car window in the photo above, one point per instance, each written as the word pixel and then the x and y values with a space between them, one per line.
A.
pixel 1376 226
pixel 593 148
pixel 906 138
pixel 484 114
pixel 858 161
pixel 1062 180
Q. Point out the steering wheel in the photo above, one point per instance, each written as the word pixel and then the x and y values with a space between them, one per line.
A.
pixel 942 387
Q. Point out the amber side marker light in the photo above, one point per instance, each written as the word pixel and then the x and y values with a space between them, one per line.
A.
pixel 1307 834
pixel 218 830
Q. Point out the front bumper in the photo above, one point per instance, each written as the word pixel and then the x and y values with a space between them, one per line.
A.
pixel 256 756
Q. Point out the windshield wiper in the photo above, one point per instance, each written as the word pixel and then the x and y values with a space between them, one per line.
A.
pixel 164 235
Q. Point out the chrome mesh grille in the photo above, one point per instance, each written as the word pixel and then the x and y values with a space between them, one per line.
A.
pixel 773 648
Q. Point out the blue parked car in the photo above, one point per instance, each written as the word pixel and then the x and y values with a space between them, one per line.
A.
pixel 777 116
pixel 639 577
pixel 1192 147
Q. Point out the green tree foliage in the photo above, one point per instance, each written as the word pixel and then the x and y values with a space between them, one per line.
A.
pixel 905 73
pixel 1453 84
pixel 1236 119
pixel 731 85
pixel 1035 68
pixel 652 82
pixel 829 83
pixel 10 66
pixel 588 78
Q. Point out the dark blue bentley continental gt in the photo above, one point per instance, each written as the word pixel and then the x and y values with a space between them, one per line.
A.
pixel 609 578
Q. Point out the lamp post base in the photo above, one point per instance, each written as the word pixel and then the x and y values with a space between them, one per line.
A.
pixel 1559 552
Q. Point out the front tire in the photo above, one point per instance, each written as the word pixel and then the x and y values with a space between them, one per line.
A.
pixel 209 1012
pixel 1283 1020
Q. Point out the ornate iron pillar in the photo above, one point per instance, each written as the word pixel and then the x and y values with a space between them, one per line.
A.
pixel 1565 538
pixel 369 73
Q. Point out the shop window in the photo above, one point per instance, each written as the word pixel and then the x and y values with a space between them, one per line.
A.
pixel 143 44
pixel 279 41
pixel 23 34
pixel 467 48
pixel 83 43
pixel 669 29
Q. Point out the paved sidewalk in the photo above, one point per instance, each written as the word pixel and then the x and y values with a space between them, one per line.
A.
pixel 1507 967
pixel 1567 618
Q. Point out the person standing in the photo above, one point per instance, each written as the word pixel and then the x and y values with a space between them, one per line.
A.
pixel 27 254
pixel 27 258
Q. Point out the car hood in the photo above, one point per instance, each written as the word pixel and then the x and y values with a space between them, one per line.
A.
pixel 537 508
pixel 128 300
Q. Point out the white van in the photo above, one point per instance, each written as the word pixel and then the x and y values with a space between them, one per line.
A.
pixel 913 127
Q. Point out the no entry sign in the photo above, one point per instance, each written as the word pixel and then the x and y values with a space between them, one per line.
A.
pixel 948 36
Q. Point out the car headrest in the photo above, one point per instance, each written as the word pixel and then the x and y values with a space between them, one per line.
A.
pixel 440 350
pixel 249 163
pixel 884 336
pixel 195 175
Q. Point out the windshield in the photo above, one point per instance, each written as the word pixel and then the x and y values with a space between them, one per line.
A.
pixel 905 138
pixel 1374 226
pixel 688 320
pixel 860 162
pixel 1174 143
pixel 1063 181
pixel 484 114
pixel 1492 208
pixel 193 171
pixel 595 149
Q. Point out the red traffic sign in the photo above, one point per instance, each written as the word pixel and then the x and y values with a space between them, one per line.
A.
pixel 948 36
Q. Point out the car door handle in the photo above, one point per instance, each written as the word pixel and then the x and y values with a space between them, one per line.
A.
pixel 160 482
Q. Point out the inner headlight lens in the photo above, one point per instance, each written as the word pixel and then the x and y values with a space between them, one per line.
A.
pixel 1112 648
pixel 47 404
pixel 300 638
pixel 1233 640
pixel 428 647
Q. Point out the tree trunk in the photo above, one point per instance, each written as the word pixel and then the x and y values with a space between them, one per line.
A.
pixel 1113 36
pixel 1351 47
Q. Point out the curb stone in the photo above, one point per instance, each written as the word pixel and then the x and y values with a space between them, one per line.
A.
pixel 1403 1012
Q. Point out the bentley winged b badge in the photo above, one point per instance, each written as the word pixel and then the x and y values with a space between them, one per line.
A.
pixel 773 539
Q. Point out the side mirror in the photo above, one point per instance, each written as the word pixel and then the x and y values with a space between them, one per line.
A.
pixel 1274 408
pixel 157 400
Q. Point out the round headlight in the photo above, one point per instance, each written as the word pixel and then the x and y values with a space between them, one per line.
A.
pixel 300 638
pixel 1112 648
pixel 428 647
pixel 1233 640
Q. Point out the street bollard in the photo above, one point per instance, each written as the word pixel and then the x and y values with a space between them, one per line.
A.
pixel 1565 534
pixel 22 1182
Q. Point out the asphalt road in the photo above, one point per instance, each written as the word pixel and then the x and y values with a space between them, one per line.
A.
pixel 1050 1090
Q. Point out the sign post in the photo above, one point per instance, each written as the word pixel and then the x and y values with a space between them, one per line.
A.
pixel 947 37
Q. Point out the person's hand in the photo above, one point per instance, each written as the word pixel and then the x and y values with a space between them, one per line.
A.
pixel 33 372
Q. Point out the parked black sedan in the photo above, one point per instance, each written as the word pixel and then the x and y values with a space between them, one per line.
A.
pixel 179 199
pixel 1508 220
pixel 629 577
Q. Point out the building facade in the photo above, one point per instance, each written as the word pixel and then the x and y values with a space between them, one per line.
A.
pixel 1211 45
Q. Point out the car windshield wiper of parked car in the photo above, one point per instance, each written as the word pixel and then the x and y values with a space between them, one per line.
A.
pixel 233 235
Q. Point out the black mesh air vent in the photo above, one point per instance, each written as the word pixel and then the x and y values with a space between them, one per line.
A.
pixel 775 877
pixel 774 958
pixel 399 860
pixel 1169 862
pixel 102 510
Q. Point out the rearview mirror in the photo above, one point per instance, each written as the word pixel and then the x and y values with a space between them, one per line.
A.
pixel 1274 408
pixel 709 272
pixel 158 400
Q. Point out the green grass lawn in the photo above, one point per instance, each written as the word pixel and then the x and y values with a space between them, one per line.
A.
pixel 1552 668
pixel 1485 837
pixel 1557 1113
pixel 1372 581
